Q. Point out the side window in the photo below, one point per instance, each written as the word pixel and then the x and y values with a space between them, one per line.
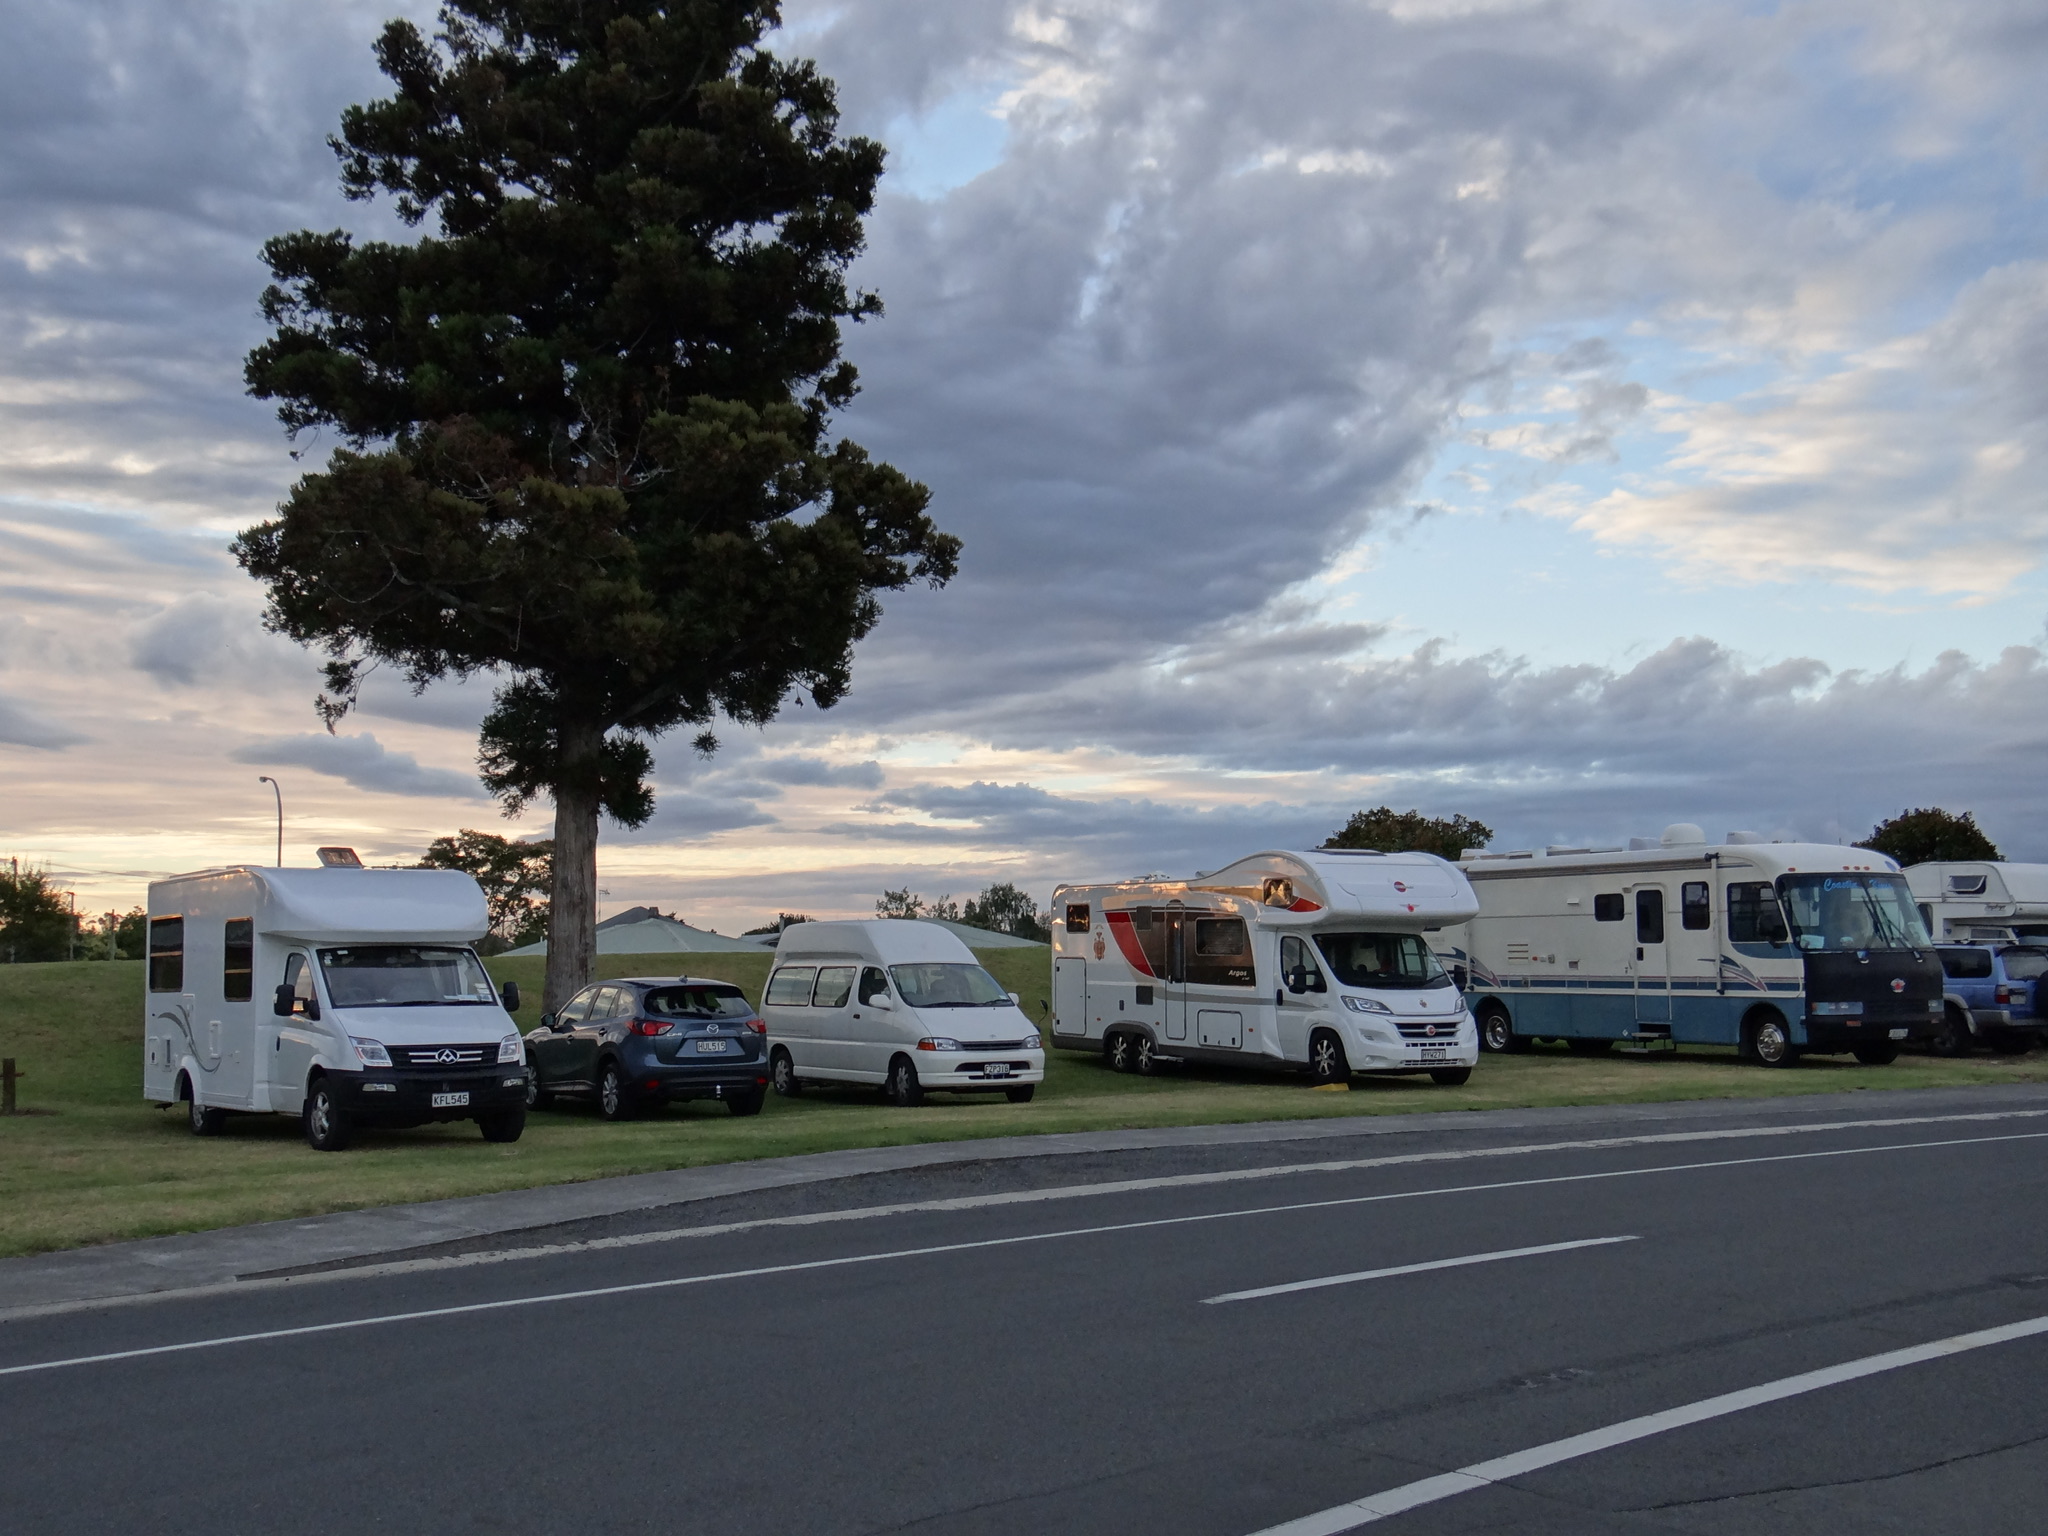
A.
pixel 298 975
pixel 1695 910
pixel 835 986
pixel 1650 917
pixel 874 983
pixel 577 1009
pixel 1753 916
pixel 1967 964
pixel 791 986
pixel 238 960
pixel 167 954
pixel 1295 955
pixel 1223 953
pixel 1607 909
pixel 612 1003
pixel 1077 917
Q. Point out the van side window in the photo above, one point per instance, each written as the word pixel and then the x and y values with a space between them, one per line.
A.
pixel 1650 917
pixel 1077 917
pixel 167 954
pixel 1695 910
pixel 238 961
pixel 1966 964
pixel 1223 953
pixel 1753 915
pixel 1608 908
pixel 835 986
pixel 1296 955
pixel 874 983
pixel 791 986
pixel 298 975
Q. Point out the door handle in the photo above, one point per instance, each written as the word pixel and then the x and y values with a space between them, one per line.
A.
pixel 1639 951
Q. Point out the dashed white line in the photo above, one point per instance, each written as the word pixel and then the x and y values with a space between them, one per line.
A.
pixel 1413 1269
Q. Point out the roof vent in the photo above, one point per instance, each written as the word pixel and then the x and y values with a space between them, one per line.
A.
pixel 339 858
pixel 1556 849
pixel 1638 844
pixel 1745 837
pixel 1682 833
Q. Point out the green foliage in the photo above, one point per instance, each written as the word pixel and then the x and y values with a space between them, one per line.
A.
pixel 1917 836
pixel 903 903
pixel 515 876
pixel 782 921
pixel 114 936
pixel 1393 831
pixel 35 917
pixel 1002 908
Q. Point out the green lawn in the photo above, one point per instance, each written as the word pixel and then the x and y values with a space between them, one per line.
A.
pixel 91 1163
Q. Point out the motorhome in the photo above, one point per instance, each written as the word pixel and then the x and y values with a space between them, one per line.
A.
pixel 342 995
pixel 1976 900
pixel 1316 961
pixel 1777 948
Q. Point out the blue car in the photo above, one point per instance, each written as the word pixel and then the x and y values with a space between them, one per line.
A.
pixel 1992 993
pixel 643 1041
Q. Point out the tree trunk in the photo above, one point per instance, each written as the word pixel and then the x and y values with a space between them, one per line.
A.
pixel 572 909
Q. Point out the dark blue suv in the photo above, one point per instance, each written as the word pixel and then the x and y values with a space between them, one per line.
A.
pixel 642 1041
pixel 1991 992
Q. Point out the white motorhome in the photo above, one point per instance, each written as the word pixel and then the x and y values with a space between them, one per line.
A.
pixel 895 1002
pixel 1774 947
pixel 1977 900
pixel 1315 960
pixel 342 995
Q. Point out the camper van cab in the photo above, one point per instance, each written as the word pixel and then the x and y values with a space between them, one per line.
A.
pixel 1980 901
pixel 1319 961
pixel 345 996
pixel 895 1002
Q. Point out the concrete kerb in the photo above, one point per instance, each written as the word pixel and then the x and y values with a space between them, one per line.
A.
pixel 192 1261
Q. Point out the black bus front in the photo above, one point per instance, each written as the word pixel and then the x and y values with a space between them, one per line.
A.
pixel 1872 978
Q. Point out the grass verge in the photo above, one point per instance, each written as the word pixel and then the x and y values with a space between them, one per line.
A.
pixel 91 1163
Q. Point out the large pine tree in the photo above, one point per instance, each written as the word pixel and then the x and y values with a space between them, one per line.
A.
pixel 586 423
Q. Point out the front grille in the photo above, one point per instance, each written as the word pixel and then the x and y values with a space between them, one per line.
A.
pixel 992 1047
pixel 1421 1031
pixel 443 1058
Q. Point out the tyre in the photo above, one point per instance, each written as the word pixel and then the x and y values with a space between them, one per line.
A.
pixel 903 1089
pixel 1589 1047
pixel 204 1119
pixel 1954 1038
pixel 1145 1057
pixel 746 1103
pixel 2011 1042
pixel 1119 1051
pixel 612 1096
pixel 1020 1095
pixel 1768 1043
pixel 505 1125
pixel 1497 1031
pixel 1450 1077
pixel 327 1127
pixel 1877 1054
pixel 1326 1060
pixel 537 1097
pixel 782 1072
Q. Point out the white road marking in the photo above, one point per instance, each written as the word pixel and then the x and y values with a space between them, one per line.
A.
pixel 1412 1269
pixel 989 1242
pixel 1482 1474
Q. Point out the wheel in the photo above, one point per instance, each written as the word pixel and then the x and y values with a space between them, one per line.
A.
pixel 1450 1077
pixel 327 1128
pixel 1020 1095
pixel 205 1119
pixel 903 1089
pixel 1118 1050
pixel 1877 1054
pixel 1770 1043
pixel 782 1070
pixel 746 1103
pixel 612 1102
pixel 1589 1047
pixel 1954 1039
pixel 1497 1031
pixel 2011 1042
pixel 537 1097
pixel 1326 1059
pixel 505 1125
pixel 1145 1059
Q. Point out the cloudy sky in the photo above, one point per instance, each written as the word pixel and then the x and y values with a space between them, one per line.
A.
pixel 1583 415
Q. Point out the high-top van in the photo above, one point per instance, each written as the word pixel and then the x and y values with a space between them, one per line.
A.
pixel 898 1003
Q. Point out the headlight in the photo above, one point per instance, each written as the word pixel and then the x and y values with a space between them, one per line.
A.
pixel 1365 1005
pixel 1028 1043
pixel 938 1043
pixel 508 1050
pixel 371 1052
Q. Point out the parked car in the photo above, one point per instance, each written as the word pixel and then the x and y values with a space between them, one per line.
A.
pixel 642 1041
pixel 1991 992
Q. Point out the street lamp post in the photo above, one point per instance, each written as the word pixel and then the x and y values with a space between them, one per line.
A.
pixel 264 778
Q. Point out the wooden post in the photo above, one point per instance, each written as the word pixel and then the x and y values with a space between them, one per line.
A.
pixel 8 1078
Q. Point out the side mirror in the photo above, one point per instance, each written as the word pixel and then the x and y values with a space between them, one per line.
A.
pixel 1459 977
pixel 1016 1001
pixel 1297 978
pixel 510 995
pixel 547 1021
pixel 880 1000
pixel 281 1005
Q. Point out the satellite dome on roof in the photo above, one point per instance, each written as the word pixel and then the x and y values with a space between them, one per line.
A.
pixel 1680 834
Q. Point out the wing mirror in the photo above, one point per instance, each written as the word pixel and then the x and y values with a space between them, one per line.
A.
pixel 1016 1001
pixel 1297 979
pixel 880 1000
pixel 510 996
pixel 547 1021
pixel 282 1004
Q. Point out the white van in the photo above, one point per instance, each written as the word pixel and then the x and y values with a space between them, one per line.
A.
pixel 342 995
pixel 1978 901
pixel 896 1002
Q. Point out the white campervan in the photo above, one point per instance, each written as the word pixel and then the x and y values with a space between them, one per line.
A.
pixel 342 995
pixel 1982 901
pixel 1316 960
pixel 896 1002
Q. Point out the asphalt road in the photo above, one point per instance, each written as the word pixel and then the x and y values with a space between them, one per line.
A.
pixel 1033 1361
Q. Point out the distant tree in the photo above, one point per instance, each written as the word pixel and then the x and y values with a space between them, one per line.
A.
pixel 585 426
pixel 1393 831
pixel 36 922
pixel 783 921
pixel 516 877
pixel 903 903
pixel 1915 837
pixel 1002 908
pixel 114 936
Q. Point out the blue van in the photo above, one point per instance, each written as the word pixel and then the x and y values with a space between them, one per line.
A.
pixel 1991 992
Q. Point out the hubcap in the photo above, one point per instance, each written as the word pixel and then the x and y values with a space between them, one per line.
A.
pixel 611 1093
pixel 1770 1043
pixel 320 1114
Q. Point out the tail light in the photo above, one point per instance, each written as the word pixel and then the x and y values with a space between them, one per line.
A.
pixel 653 1026
pixel 758 1025
pixel 2012 994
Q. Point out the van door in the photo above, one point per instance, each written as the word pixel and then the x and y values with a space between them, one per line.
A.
pixel 838 1052
pixel 1069 995
pixel 1176 972
pixel 298 1037
pixel 1652 967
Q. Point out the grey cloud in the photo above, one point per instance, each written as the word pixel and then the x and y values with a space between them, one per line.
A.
pixel 20 727
pixel 362 761
pixel 690 816
pixel 817 771
pixel 205 640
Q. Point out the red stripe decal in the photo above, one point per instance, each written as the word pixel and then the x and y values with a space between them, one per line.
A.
pixel 1303 904
pixel 1127 940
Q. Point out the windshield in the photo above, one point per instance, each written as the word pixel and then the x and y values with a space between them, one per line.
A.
pixel 1852 912
pixel 696 1003
pixel 948 986
pixel 2025 964
pixel 1382 960
pixel 404 976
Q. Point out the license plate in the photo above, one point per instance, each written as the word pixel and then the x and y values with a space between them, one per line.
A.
pixel 710 1047
pixel 450 1100
pixel 996 1069
pixel 1434 1053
